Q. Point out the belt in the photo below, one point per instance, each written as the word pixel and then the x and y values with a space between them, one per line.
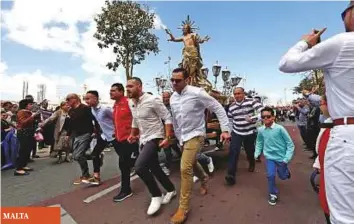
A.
pixel 343 121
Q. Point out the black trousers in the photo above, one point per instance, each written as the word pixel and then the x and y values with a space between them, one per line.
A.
pixel 26 140
pixel 125 151
pixel 147 167
pixel 235 148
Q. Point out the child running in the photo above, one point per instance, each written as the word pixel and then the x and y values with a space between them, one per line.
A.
pixel 278 149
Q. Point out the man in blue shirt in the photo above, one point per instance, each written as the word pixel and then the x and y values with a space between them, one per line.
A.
pixel 104 117
pixel 278 149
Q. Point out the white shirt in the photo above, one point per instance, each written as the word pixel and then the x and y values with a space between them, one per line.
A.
pixel 336 57
pixel 148 114
pixel 188 114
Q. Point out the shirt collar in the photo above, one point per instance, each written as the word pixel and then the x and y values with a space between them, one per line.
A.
pixel 272 126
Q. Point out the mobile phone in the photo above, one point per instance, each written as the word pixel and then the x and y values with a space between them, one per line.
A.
pixel 316 32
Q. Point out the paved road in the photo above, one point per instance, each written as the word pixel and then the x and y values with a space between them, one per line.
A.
pixel 244 203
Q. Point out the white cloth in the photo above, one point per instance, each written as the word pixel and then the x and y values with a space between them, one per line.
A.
pixel 188 114
pixel 339 174
pixel 336 57
pixel 148 114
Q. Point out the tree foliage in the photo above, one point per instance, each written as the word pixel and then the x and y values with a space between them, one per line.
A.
pixel 312 80
pixel 126 26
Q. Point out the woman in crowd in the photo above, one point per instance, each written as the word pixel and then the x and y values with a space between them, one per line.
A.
pixel 61 138
pixel 25 135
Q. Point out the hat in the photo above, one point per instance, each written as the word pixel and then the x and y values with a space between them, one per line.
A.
pixel 351 5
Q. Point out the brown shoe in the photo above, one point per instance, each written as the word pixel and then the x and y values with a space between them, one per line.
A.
pixel 204 186
pixel 94 180
pixel 81 180
pixel 179 217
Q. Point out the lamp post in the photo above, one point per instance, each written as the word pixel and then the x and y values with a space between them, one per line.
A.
pixel 216 72
pixel 225 75
pixel 160 84
pixel 205 72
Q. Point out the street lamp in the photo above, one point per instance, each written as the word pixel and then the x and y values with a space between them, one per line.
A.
pixel 216 72
pixel 235 81
pixel 163 84
pixel 225 74
pixel 205 72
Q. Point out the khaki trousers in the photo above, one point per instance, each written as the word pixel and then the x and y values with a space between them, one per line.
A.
pixel 190 166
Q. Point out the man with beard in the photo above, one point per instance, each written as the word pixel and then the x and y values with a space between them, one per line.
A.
pixel 148 113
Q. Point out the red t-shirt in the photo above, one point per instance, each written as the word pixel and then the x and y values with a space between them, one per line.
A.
pixel 122 119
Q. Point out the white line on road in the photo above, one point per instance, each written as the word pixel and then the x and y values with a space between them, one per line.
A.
pixel 106 191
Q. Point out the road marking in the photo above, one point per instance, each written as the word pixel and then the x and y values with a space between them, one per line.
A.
pixel 106 191
pixel 66 218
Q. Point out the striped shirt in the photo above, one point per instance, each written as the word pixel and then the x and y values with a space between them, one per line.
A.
pixel 238 113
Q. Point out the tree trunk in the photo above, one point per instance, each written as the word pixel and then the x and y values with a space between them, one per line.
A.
pixel 127 68
pixel 131 70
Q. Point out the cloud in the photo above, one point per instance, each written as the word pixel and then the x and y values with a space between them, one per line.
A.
pixel 58 26
pixel 11 85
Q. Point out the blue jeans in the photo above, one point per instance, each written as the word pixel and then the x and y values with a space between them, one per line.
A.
pixel 272 168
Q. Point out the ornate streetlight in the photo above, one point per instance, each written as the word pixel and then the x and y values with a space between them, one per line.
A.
pixel 235 81
pixel 205 72
pixel 160 84
pixel 225 75
pixel 216 72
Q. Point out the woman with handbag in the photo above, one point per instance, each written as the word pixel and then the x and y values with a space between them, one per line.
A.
pixel 25 135
pixel 61 138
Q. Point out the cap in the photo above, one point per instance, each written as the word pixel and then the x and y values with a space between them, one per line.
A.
pixel 351 5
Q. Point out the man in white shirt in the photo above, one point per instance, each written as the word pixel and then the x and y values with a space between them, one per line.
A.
pixel 188 104
pixel 336 57
pixel 148 112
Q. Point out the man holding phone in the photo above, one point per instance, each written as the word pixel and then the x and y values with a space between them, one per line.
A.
pixel 335 57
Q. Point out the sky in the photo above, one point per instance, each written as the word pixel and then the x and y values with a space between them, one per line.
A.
pixel 51 42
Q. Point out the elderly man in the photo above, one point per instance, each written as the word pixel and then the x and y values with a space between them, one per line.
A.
pixel 335 57
pixel 82 130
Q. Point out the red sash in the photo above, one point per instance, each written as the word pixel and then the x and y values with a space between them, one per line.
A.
pixel 321 153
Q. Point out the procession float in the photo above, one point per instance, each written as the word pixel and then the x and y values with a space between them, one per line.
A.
pixel 193 63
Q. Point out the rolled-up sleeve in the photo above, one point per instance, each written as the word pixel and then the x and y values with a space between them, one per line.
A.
pixel 212 104
pixel 162 111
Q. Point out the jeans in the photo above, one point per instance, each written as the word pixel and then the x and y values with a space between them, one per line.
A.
pixel 125 150
pixel 274 167
pixel 235 148
pixel 96 154
pixel 80 146
pixel 147 167
pixel 203 159
pixel 190 166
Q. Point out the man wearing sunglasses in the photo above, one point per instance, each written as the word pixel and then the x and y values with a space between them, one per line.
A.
pixel 188 104
pixel 335 56
pixel 278 149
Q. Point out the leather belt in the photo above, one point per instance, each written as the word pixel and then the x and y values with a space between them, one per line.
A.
pixel 343 121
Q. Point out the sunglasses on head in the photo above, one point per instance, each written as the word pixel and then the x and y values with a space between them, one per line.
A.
pixel 266 116
pixel 176 80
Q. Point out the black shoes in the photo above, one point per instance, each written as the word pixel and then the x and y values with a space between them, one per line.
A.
pixel 122 196
pixel 230 180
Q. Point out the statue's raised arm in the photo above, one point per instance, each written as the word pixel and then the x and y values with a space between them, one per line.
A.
pixel 172 38
pixel 192 60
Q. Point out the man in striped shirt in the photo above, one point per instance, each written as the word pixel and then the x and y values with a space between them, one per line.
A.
pixel 244 131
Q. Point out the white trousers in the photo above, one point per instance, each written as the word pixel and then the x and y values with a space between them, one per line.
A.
pixel 339 174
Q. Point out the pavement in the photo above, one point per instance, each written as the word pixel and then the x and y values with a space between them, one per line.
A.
pixel 246 202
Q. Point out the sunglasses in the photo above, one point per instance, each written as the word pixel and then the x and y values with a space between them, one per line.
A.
pixel 266 116
pixel 176 80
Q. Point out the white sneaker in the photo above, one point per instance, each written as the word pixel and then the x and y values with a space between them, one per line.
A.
pixel 195 179
pixel 168 197
pixel 155 205
pixel 211 165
